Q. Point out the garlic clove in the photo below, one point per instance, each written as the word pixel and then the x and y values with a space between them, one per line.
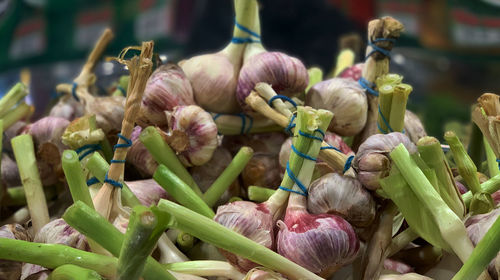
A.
pixel 192 133
pixel 213 78
pixel 354 72
pixel 346 99
pixel 139 156
pixel 147 191
pixel 343 196
pixel 10 270
pixel 166 88
pixel 372 162
pixel 321 243
pixel 287 75
pixel 250 220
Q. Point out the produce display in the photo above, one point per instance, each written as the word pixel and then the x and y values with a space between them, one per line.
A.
pixel 245 164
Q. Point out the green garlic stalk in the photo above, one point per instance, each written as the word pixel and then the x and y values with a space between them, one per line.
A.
pixel 16 196
pixel 259 194
pixel 24 152
pixel 21 111
pixel 481 201
pixel 315 76
pixel 491 159
pixel 12 97
pixel 73 272
pixel 123 84
pixel 75 178
pixel 207 269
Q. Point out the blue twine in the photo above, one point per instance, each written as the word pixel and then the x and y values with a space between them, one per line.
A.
pixel 247 30
pixel 92 181
pixel 73 91
pixel 299 153
pixel 296 181
pixel 243 121
pixel 117 161
pixel 288 128
pixel 283 97
pixel 385 122
pixel 347 164
pixel 368 86
pixel 122 90
pixel 312 136
pixel 498 161
pixel 330 147
pixel 240 40
pixel 112 182
pixel 87 149
pixel 127 143
pixel 379 49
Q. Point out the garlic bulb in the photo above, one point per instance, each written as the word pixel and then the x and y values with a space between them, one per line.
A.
pixel 47 131
pixel 346 99
pixel 192 133
pixel 167 87
pixel 147 191
pixel 477 226
pixel 414 127
pixel 287 75
pixel 250 220
pixel 139 156
pixel 343 196
pixel 109 112
pixel 67 108
pixel 204 175
pixel 266 143
pixel 10 270
pixel 262 170
pixel 262 273
pixel 11 132
pixel 397 266
pixel 320 243
pixel 353 72
pixel 406 276
pixel 10 172
pixel 372 159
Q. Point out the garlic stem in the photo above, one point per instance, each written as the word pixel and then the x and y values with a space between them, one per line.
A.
pixel 491 159
pixel 73 272
pixel 267 92
pixel 345 59
pixel 24 152
pixel 106 149
pixel 227 177
pixel 21 216
pixel 121 88
pixel 12 97
pixel 55 255
pixel 481 201
pixel 400 241
pixel 207 269
pixel 487 248
pixel 229 124
pixel 21 111
pixel 75 178
pixel 94 226
pixel 385 101
pixel 210 231
pixel 490 186
pixel 315 76
pixel 163 154
pixel 259 194
pixel 144 229
pixel 181 192
pixel 16 196
pixel 185 241
pixel 398 106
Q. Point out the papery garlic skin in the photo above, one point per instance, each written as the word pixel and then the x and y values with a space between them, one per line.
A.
pixel 320 243
pixel 11 270
pixel 406 276
pixel 139 156
pixel 354 72
pixel 346 99
pixel 11 132
pixel 67 108
pixel 343 196
pixel 192 134
pixel 250 220
pixel 213 79
pixel 397 266
pixel 147 191
pixel 286 74
pixel 48 130
pixel 477 226
pixel 267 143
pixel 414 128
pixel 372 159
pixel 261 273
pixel 262 170
pixel 10 172
pixel 166 88
pixel 109 112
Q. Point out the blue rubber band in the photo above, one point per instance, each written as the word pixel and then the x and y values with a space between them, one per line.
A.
pixel 367 86
pixel 92 181
pixel 239 40
pixel 122 90
pixel 296 181
pixel 112 182
pixel 379 49
pixel 73 91
pixel 330 147
pixel 385 122
pixel 283 97
pixel 299 153
pixel 347 164
pixel 127 143
pixel 247 30
pixel 288 128
pixel 117 161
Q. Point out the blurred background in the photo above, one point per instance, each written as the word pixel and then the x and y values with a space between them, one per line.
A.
pixel 450 52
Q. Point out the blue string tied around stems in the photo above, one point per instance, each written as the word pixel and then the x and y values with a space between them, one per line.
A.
pixel 127 144
pixel 244 129
pixel 243 40
pixel 290 126
pixel 86 150
pixel 122 90
pixel 112 182
pixel 73 91
pixel 389 128
pixel 367 86
pixel 376 48
pixel 92 181
pixel 282 97
pixel 498 161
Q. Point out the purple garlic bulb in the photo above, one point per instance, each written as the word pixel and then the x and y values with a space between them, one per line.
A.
pixel 167 87
pixel 139 156
pixel 321 243
pixel 343 196
pixel 67 108
pixel 10 172
pixel 147 191
pixel 11 132
pixel 354 72
pixel 346 99
pixel 397 266
pixel 251 220
pixel 287 75
pixel 262 273
pixel 10 270
pixel 372 159
pixel 192 133
pixel 47 131
pixel 477 226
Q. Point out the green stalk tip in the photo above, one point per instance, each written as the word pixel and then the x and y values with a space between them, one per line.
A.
pixel 75 178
